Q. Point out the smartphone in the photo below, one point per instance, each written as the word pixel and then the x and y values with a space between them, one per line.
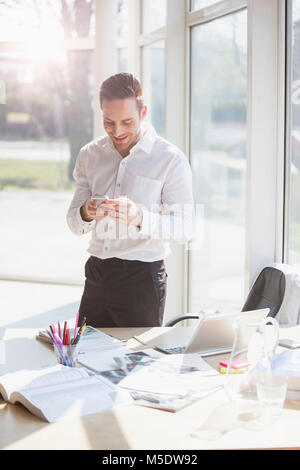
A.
pixel 289 343
pixel 100 199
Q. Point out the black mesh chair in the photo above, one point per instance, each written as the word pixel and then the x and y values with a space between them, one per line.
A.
pixel 267 292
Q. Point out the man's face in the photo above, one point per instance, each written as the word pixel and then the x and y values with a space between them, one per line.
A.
pixel 122 122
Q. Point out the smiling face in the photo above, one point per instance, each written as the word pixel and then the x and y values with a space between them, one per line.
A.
pixel 122 122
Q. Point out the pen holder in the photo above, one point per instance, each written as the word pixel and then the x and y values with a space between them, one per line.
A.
pixel 66 354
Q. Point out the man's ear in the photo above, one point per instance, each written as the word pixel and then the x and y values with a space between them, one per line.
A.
pixel 144 112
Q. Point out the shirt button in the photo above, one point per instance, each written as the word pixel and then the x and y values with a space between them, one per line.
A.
pixel 105 248
pixel 119 184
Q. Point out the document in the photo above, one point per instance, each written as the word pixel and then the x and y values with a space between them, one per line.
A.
pixel 172 377
pixel 105 361
pixel 288 363
pixel 153 379
pixel 170 382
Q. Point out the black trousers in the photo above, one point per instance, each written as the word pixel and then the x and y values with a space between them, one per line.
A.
pixel 123 293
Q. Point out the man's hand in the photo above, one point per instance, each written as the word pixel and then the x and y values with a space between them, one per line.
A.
pixel 124 210
pixel 90 211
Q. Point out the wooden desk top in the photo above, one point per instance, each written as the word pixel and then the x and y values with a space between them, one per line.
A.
pixel 135 427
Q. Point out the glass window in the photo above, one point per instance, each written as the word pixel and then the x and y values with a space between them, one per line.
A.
pixel 293 133
pixel 218 160
pixel 46 22
pixel 153 15
pixel 153 78
pixel 122 19
pixel 46 119
pixel 122 59
pixel 197 4
pixel 122 34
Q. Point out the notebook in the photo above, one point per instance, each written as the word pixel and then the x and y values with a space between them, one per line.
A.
pixel 91 339
pixel 60 392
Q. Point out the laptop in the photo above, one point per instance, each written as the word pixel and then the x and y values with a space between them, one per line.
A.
pixel 214 334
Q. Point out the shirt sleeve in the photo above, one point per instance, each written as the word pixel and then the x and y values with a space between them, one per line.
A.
pixel 174 219
pixel 82 192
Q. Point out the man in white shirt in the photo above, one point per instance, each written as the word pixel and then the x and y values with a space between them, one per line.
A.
pixel 150 203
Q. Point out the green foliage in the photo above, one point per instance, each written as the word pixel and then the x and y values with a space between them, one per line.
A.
pixel 34 174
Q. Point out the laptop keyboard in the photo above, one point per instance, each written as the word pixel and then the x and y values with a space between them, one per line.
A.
pixel 175 349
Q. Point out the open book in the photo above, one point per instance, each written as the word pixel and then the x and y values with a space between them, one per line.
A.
pixel 60 392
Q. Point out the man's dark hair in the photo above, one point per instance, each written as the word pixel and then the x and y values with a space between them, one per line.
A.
pixel 121 86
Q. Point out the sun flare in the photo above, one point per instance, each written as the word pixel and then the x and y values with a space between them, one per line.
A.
pixel 45 45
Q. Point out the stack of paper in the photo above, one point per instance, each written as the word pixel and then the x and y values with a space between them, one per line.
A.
pixel 171 382
pixel 168 382
pixel 288 363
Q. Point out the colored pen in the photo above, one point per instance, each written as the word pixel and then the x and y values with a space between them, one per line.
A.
pixel 50 335
pixel 83 328
pixel 76 323
pixel 55 338
pixel 80 328
pixel 83 322
pixel 68 337
pixel 79 334
pixel 81 331
pixel 64 333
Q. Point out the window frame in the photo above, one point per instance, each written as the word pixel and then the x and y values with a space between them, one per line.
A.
pixel 267 199
pixel 288 127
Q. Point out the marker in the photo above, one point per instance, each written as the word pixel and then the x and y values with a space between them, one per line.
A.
pixel 76 323
pixel 64 333
pixel 79 334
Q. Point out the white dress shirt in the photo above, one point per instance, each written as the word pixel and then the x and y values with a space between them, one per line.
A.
pixel 155 175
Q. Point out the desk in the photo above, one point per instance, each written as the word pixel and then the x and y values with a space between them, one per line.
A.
pixel 131 426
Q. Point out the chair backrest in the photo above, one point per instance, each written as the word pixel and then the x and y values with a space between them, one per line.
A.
pixel 267 291
pixel 289 312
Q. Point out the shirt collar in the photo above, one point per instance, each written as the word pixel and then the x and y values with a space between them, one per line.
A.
pixel 145 143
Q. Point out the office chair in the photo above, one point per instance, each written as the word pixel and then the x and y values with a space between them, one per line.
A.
pixel 267 292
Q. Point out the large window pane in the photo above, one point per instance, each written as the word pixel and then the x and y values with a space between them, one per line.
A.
pixel 47 118
pixel 218 160
pixel 153 78
pixel 153 15
pixel 293 135
pixel 122 35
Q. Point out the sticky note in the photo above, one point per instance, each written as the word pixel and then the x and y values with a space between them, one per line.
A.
pixel 223 370
pixel 237 364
